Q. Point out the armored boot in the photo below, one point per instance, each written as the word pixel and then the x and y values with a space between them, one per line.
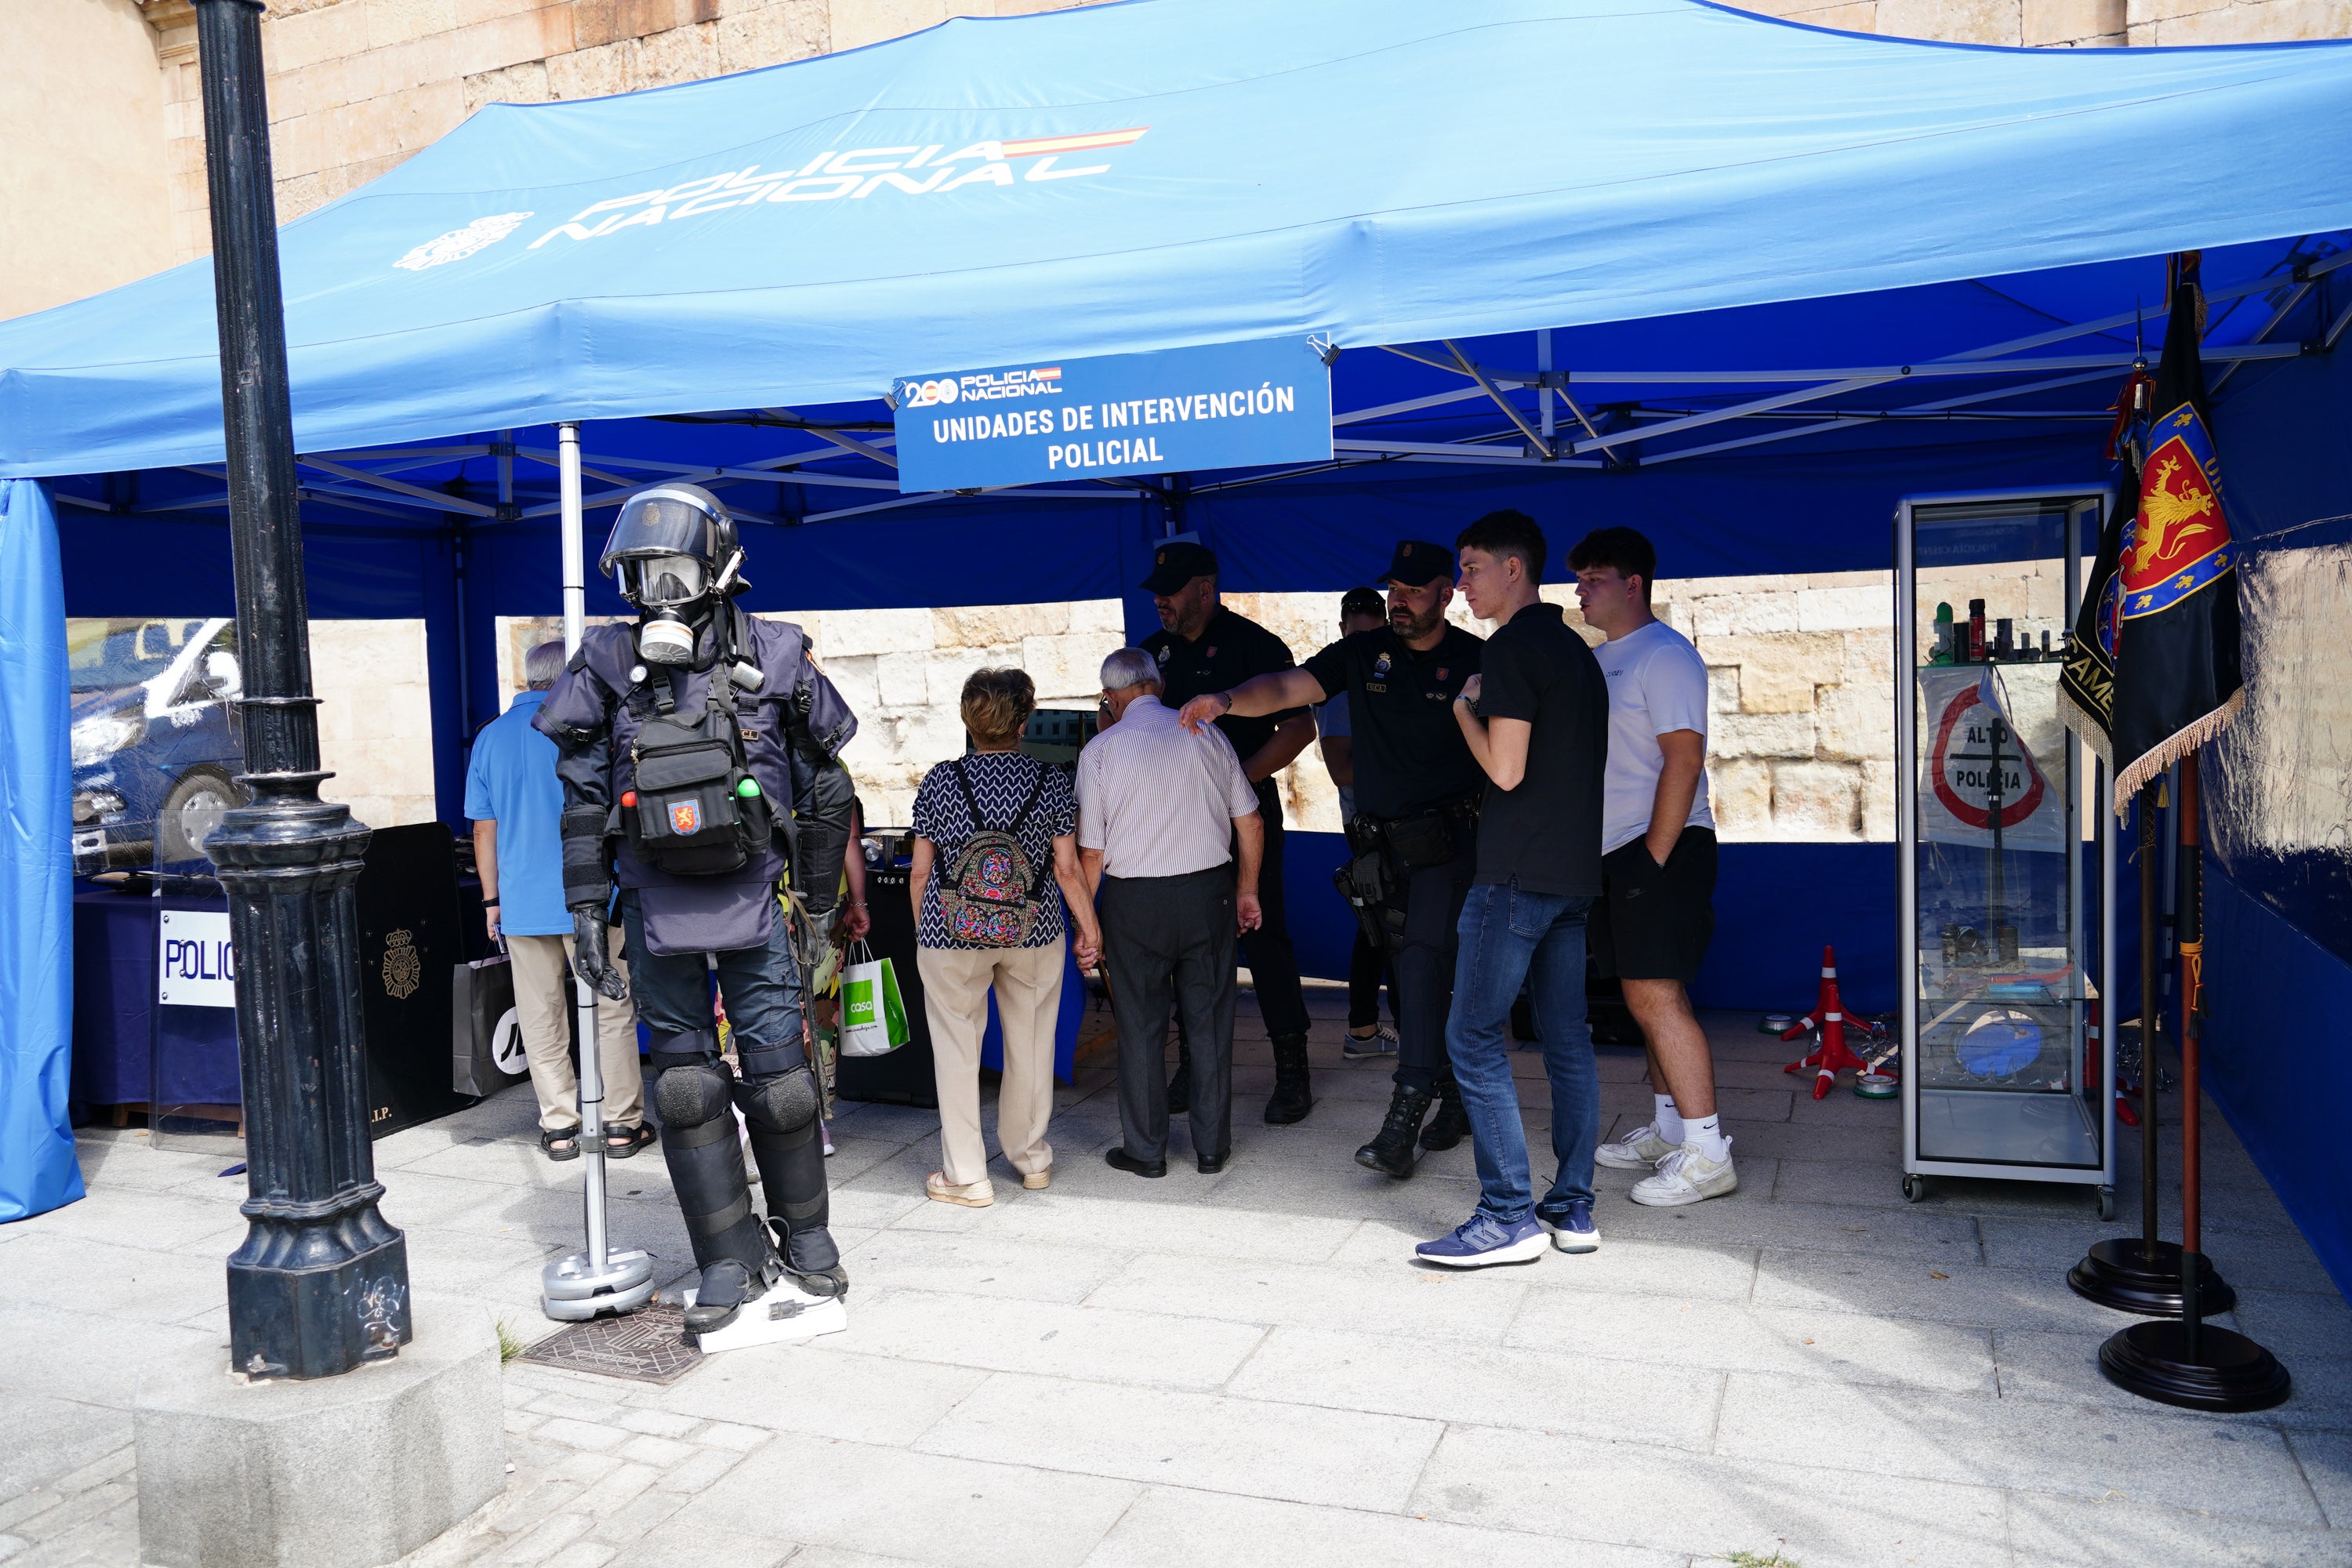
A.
pixel 1292 1098
pixel 1452 1122
pixel 780 1114
pixel 1390 1151
pixel 706 1170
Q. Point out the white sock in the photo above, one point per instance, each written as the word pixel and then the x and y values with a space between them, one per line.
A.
pixel 1705 1133
pixel 1669 1119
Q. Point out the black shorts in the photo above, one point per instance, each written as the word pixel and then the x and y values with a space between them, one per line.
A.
pixel 1653 921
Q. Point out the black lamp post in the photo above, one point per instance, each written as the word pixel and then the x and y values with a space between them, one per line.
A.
pixel 322 1281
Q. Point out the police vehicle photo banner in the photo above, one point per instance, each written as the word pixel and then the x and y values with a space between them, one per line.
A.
pixel 1226 405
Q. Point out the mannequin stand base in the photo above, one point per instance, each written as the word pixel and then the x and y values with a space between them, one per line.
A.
pixel 2115 1274
pixel 573 1289
pixel 786 1314
pixel 2231 1371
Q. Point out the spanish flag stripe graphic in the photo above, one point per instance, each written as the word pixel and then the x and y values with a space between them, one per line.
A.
pixel 1037 144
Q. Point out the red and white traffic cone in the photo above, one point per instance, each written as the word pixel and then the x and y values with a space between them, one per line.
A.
pixel 1829 1016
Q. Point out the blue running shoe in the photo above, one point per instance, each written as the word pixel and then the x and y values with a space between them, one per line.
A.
pixel 1483 1241
pixel 1569 1220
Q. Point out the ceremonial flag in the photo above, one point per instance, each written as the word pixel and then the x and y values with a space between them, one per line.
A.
pixel 2177 683
pixel 2162 607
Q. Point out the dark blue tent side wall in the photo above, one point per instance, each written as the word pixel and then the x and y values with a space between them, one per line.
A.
pixel 2277 991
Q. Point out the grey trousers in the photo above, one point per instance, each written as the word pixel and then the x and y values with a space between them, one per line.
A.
pixel 1164 935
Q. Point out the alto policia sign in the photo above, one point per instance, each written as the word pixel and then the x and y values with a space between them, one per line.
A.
pixel 1228 406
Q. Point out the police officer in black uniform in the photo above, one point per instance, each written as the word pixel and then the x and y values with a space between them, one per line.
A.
pixel 1203 646
pixel 699 750
pixel 1417 792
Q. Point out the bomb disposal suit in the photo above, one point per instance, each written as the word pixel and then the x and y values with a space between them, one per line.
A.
pixel 700 754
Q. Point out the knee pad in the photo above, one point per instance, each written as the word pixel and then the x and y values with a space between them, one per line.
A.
pixel 691 1095
pixel 779 1105
pixel 686 1049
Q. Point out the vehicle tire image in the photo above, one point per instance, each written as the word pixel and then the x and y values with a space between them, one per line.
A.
pixel 193 810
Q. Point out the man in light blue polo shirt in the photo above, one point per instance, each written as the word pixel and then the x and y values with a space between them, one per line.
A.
pixel 517 806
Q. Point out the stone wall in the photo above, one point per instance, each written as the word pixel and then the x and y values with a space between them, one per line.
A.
pixel 1800 671
pixel 375 719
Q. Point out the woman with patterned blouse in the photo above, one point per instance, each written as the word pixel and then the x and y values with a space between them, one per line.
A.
pixel 996 865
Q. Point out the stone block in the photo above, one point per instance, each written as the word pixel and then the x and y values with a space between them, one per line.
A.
pixel 2050 22
pixel 848 631
pixel 1854 722
pixel 859 683
pixel 395 21
pixel 1743 615
pixel 1953 21
pixel 1068 667
pixel 355 1469
pixel 1817 800
pixel 1741 792
pixel 1778 673
pixel 1099 616
pixel 901 681
pixel 771 34
pixel 294 41
pixel 978 625
pixel 1878 819
pixel 1845 609
pixel 1723 688
pixel 1761 735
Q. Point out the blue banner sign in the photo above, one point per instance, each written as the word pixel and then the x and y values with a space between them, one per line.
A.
pixel 1227 405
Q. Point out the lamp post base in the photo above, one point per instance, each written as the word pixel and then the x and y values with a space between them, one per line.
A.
pixel 2114 1273
pixel 2228 1373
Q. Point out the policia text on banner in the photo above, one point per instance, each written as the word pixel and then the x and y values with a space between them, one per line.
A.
pixel 1228 406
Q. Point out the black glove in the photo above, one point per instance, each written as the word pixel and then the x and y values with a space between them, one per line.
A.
pixel 590 959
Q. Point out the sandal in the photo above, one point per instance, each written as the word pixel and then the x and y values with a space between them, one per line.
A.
pixel 971 1195
pixel 620 1142
pixel 561 1142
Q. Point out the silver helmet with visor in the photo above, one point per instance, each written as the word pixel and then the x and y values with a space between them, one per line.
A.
pixel 671 548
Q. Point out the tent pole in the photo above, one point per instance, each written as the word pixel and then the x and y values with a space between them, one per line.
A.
pixel 1543 368
pixel 598 1280
pixel 321 1282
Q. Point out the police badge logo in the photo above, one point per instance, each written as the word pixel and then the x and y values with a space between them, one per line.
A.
pixel 1381 665
pixel 686 818
pixel 403 970
pixel 1163 653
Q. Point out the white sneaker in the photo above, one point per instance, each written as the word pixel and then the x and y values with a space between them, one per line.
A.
pixel 1640 1150
pixel 1687 1177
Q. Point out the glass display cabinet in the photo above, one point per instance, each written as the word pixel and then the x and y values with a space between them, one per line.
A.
pixel 2007 860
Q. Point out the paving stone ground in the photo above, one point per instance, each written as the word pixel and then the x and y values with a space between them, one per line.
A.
pixel 1245 1369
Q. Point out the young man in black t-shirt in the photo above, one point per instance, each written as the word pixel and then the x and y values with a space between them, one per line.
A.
pixel 1416 778
pixel 1537 718
pixel 1203 646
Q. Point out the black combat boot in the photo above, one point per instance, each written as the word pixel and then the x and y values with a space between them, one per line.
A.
pixel 1390 1151
pixel 1292 1098
pixel 1451 1125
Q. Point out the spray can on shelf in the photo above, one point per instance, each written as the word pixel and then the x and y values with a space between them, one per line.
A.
pixel 2004 642
pixel 1944 652
pixel 1975 632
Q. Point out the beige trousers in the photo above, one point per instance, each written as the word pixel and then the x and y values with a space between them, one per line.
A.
pixel 1028 982
pixel 539 1001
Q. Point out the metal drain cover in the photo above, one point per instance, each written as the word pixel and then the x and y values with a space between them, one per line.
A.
pixel 649 1346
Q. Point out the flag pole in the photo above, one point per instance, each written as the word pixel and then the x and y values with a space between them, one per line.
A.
pixel 2191 1363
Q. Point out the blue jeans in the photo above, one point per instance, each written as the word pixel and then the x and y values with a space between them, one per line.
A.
pixel 1510 936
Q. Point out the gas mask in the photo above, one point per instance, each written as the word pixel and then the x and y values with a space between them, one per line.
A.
pixel 673 554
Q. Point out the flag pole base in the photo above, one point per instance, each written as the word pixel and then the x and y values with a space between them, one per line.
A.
pixel 2229 1372
pixel 2114 1273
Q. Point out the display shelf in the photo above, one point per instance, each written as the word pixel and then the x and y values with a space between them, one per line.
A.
pixel 2005 1073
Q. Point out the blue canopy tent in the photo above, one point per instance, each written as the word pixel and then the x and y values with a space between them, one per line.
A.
pixel 1737 282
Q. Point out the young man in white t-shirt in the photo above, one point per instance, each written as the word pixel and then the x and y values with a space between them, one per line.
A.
pixel 1655 916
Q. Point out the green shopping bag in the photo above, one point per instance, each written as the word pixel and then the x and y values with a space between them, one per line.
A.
pixel 873 1016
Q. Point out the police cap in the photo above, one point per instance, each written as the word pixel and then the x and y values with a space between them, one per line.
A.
pixel 1177 563
pixel 1417 562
